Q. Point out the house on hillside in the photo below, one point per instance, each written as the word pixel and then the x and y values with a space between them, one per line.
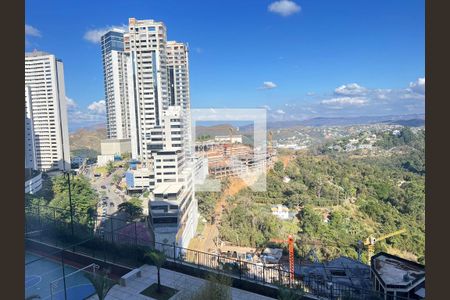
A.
pixel 286 179
pixel 280 211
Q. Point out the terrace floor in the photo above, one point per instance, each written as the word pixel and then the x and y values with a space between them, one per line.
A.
pixel 187 285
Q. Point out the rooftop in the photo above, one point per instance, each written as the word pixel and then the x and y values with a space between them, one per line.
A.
pixel 167 188
pixel 186 285
pixel 396 271
pixel 36 53
pixel 279 207
pixel 342 270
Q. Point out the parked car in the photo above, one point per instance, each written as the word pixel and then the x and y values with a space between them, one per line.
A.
pixel 111 204
pixel 103 187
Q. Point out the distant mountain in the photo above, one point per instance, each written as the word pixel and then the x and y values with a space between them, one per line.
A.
pixel 414 120
pixel 222 129
pixel 409 123
pixel 73 128
pixel 87 138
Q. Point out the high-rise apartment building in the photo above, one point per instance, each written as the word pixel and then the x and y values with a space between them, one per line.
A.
pixel 45 93
pixel 178 74
pixel 30 152
pixel 146 44
pixel 158 82
pixel 115 72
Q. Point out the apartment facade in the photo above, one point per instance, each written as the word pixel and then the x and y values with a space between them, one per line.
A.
pixel 47 105
pixel 159 127
pixel 30 153
pixel 115 73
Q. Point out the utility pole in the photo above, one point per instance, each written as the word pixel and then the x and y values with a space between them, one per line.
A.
pixel 70 201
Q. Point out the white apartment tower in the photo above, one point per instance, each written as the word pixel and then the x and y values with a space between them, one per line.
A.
pixel 45 94
pixel 30 153
pixel 115 72
pixel 145 43
pixel 179 93
pixel 159 111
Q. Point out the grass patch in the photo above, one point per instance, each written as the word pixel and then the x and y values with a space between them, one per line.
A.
pixel 100 170
pixel 165 293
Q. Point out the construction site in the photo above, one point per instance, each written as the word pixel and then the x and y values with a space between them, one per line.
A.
pixel 229 157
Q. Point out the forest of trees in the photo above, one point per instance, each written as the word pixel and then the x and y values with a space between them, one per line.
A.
pixel 340 200
pixel 56 194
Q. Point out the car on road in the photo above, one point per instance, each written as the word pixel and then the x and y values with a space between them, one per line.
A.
pixel 111 204
pixel 103 187
pixel 97 175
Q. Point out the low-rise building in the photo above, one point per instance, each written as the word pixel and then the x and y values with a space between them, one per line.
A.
pixel 342 271
pixel 280 211
pixel 173 214
pixel 139 179
pixel 394 276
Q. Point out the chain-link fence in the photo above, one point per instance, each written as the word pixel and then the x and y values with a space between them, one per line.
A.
pixel 112 239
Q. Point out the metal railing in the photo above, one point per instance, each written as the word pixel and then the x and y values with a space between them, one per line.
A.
pixel 124 242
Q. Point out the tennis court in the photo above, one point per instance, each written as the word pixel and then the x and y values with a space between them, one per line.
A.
pixel 43 277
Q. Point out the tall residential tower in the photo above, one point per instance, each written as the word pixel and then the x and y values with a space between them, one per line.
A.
pixel 158 85
pixel 46 98
pixel 115 71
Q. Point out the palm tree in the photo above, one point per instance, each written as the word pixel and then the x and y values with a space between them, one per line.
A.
pixel 157 258
pixel 102 284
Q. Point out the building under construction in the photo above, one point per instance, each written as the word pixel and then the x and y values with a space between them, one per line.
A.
pixel 236 159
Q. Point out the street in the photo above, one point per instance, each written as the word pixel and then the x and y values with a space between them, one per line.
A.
pixel 103 185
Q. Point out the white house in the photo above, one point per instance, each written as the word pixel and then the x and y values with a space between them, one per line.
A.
pixel 280 211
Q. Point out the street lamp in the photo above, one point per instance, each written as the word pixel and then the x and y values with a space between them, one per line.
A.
pixel 70 200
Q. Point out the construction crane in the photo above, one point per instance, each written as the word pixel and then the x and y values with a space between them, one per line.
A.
pixel 370 243
pixel 290 241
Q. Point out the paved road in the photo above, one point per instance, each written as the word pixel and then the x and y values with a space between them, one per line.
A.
pixel 114 195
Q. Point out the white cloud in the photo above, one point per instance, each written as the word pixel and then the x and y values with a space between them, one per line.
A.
pixel 345 101
pixel 351 89
pixel 267 85
pixel 280 111
pixel 71 104
pixel 418 86
pixel 98 107
pixel 266 107
pixel 32 31
pixel 94 35
pixel 284 7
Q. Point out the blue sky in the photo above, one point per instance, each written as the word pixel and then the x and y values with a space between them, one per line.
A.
pixel 300 59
